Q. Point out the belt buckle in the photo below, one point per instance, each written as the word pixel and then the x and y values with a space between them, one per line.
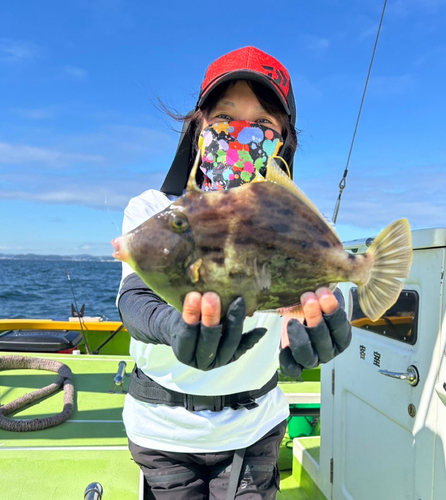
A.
pixel 248 403
pixel 196 402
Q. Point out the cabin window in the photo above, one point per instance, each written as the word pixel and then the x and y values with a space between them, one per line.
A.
pixel 398 323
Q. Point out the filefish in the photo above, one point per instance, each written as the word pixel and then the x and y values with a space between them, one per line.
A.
pixel 264 241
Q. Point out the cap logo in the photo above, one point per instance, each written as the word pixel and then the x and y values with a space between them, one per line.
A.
pixel 276 75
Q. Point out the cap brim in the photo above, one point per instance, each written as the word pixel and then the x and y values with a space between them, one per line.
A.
pixel 244 75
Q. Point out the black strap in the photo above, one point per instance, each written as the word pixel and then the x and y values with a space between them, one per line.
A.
pixel 236 470
pixel 145 389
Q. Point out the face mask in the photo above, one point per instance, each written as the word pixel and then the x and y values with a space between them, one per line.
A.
pixel 235 153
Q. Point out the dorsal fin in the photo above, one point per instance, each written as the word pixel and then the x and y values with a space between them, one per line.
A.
pixel 275 174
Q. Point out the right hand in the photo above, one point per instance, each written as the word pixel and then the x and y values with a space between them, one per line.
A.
pixel 321 335
pixel 199 340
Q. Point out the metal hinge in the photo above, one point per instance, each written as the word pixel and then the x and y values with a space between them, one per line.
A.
pixel 331 470
pixel 333 381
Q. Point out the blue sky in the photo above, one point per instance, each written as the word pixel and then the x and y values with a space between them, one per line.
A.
pixel 80 133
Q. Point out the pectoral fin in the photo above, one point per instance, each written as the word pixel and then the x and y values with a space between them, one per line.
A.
pixel 194 269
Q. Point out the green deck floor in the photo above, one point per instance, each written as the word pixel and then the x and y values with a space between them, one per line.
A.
pixel 58 463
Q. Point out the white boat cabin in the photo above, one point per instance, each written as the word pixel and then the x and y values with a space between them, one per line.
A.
pixel 383 401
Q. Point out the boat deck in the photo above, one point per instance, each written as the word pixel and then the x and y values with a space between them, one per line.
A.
pixel 92 445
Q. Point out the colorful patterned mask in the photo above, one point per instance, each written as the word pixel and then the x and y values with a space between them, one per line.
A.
pixel 235 153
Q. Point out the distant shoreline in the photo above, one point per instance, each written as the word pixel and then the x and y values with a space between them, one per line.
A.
pixel 81 257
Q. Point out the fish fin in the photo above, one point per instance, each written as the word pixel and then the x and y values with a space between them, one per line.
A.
pixel 391 252
pixel 273 311
pixel 294 310
pixel 275 174
pixel 285 164
pixel 297 309
pixel 192 182
pixel 263 278
pixel 194 269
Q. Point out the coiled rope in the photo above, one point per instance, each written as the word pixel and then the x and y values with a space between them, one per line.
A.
pixel 64 380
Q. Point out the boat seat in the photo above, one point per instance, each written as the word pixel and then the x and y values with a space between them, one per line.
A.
pixel 39 340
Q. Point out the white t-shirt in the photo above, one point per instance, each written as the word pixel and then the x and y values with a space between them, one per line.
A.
pixel 177 429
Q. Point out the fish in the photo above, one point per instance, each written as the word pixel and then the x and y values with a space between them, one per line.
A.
pixel 264 241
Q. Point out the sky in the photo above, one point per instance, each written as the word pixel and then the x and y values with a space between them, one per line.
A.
pixel 81 132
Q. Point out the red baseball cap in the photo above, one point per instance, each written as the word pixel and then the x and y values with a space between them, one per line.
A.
pixel 250 63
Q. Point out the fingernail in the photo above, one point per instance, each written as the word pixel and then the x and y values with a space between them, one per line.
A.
pixel 307 297
pixel 323 292
pixel 193 298
pixel 211 298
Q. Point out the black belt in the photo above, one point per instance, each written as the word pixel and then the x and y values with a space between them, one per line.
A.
pixel 145 389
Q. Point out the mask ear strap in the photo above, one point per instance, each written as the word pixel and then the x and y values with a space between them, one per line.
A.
pixel 285 163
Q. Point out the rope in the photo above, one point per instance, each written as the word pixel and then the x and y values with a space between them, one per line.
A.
pixel 64 379
pixel 342 184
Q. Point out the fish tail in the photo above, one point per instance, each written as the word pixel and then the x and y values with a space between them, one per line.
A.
pixel 391 253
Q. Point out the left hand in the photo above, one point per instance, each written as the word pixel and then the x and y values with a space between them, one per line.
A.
pixel 198 338
pixel 324 333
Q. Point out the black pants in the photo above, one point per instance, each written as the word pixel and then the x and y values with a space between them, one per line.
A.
pixel 205 476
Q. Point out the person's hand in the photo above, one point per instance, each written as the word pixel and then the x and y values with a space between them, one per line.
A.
pixel 324 333
pixel 199 340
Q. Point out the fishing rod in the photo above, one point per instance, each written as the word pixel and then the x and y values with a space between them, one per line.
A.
pixel 78 313
pixel 111 217
pixel 343 182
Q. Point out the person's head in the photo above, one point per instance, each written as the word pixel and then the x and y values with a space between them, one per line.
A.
pixel 246 84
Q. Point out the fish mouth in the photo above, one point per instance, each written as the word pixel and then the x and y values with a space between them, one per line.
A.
pixel 120 247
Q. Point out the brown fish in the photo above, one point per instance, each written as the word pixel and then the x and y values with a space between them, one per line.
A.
pixel 264 241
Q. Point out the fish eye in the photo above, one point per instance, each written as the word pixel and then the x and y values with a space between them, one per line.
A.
pixel 179 223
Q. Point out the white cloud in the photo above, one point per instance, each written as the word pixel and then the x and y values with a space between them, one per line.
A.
pixel 370 32
pixel 390 85
pixel 19 154
pixel 17 50
pixel 316 43
pixel 404 8
pixel 13 248
pixel 101 194
pixel 77 195
pixel 101 170
pixel 124 145
pixel 36 113
pixel 75 72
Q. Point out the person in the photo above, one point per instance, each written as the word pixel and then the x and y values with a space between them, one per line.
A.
pixel 204 414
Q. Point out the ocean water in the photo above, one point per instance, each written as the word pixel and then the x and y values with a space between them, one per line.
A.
pixel 40 288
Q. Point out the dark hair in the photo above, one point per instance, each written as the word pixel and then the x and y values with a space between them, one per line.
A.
pixel 267 99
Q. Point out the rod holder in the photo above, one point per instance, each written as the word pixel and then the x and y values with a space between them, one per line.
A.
pixel 119 378
pixel 93 491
